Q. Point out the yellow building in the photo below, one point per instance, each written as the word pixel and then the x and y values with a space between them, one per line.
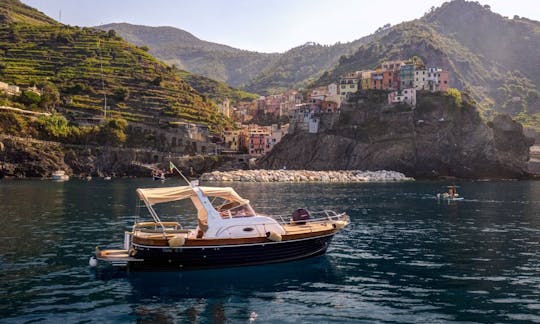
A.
pixel 232 139
pixel 365 81
pixel 348 84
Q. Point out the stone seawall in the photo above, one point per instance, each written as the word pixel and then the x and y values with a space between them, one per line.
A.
pixel 305 176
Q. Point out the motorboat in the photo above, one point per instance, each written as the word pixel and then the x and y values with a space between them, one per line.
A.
pixel 159 177
pixel 451 194
pixel 59 175
pixel 226 232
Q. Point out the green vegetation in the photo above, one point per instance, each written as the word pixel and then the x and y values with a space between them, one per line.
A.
pixel 456 94
pixel 255 72
pixel 215 90
pixel 182 49
pixel 75 68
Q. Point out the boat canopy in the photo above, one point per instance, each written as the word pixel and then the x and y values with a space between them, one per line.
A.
pixel 162 195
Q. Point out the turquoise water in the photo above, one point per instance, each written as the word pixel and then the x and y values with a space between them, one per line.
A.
pixel 405 258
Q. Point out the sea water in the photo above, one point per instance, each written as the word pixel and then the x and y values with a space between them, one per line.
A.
pixel 405 257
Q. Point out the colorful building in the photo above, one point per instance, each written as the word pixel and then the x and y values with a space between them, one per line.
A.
pixel 420 79
pixel 392 65
pixel 348 84
pixel 406 76
pixel 377 80
pixel 365 81
pixel 390 80
pixel 437 79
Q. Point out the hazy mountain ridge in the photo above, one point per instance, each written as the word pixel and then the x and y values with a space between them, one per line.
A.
pixel 256 72
pixel 176 46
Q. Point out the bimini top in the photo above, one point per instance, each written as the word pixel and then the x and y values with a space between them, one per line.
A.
pixel 162 195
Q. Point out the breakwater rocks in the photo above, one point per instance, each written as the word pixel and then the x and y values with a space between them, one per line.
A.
pixel 305 176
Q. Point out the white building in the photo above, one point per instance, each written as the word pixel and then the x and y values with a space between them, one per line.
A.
pixel 420 79
pixel 405 95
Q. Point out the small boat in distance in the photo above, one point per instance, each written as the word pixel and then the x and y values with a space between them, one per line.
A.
pixel 158 175
pixel 228 232
pixel 59 175
pixel 451 194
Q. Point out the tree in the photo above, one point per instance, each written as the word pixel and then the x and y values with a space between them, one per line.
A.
pixel 121 93
pixel 28 97
pixel 50 97
pixel 456 94
pixel 54 126
pixel 113 132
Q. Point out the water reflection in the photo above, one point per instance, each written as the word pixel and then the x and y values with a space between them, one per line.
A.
pixel 208 293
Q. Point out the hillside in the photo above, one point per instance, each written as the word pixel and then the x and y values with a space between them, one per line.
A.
pixel 488 55
pixel 213 89
pixel 178 47
pixel 255 72
pixel 300 66
pixel 80 66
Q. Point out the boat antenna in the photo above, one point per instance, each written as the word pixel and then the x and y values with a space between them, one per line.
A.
pixel 172 166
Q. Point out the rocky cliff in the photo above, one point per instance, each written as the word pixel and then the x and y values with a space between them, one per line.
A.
pixel 25 157
pixel 442 136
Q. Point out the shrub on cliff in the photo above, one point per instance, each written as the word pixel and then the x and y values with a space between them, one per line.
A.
pixel 54 127
pixel 29 98
pixel 456 94
pixel 13 124
pixel 113 132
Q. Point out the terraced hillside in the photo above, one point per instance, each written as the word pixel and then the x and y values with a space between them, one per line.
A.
pixel 89 67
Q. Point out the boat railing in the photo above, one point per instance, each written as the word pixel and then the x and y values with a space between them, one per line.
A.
pixel 160 227
pixel 315 217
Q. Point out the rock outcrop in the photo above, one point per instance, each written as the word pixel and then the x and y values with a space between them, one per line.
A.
pixel 441 137
pixel 26 157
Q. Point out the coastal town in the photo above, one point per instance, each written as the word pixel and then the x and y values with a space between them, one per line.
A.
pixel 400 79
pixel 298 110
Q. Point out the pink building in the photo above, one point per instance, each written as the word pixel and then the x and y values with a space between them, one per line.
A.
pixel 443 81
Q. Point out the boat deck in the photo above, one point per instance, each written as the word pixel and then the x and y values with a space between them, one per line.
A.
pixel 292 231
pixel 116 257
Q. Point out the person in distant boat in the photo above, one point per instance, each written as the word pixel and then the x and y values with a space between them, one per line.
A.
pixel 451 191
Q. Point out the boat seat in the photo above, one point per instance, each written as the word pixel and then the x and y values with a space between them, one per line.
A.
pixel 300 216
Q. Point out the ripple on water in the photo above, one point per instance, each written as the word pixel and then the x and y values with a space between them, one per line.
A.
pixel 404 258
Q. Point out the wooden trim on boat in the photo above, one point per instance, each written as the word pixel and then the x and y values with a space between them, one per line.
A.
pixel 159 240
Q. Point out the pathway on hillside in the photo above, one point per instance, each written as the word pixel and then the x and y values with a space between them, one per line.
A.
pixel 24 111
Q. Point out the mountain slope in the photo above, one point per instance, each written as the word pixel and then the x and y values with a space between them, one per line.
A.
pixel 300 66
pixel 256 72
pixel 85 64
pixel 491 56
pixel 176 46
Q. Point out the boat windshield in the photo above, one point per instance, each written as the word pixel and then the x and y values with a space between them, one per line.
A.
pixel 236 210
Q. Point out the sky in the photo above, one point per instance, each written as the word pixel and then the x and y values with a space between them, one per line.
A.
pixel 262 25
